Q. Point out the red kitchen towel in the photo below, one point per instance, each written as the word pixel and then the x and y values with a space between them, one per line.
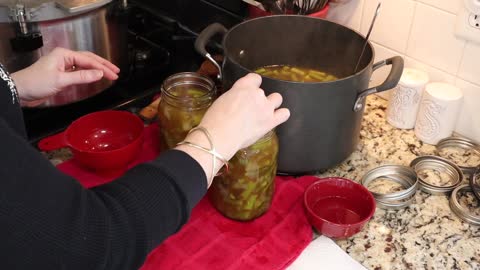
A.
pixel 211 241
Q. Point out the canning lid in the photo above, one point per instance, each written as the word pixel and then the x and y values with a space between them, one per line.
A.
pixel 459 206
pixel 436 175
pixel 402 175
pixel 458 149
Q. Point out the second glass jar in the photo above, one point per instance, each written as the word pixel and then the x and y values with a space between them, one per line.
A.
pixel 245 192
pixel 185 98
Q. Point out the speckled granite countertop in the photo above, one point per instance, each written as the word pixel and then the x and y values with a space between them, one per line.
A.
pixel 425 235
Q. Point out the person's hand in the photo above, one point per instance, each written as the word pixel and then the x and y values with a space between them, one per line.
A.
pixel 243 115
pixel 237 119
pixel 57 71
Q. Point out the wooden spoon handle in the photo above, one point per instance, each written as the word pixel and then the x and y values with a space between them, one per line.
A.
pixel 149 113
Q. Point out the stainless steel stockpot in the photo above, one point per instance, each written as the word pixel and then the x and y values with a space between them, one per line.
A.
pixel 30 29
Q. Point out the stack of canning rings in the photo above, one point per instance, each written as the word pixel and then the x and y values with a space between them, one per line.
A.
pixel 473 186
pixel 447 175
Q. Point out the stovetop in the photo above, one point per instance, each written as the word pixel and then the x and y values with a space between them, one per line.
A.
pixel 158 47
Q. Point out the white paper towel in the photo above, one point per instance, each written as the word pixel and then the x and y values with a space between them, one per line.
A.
pixel 323 253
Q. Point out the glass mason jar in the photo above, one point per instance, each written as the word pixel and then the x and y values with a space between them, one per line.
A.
pixel 185 98
pixel 246 190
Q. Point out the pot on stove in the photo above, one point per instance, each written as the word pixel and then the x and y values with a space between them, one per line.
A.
pixel 32 28
pixel 324 126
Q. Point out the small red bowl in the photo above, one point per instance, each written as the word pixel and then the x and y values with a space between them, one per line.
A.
pixel 338 207
pixel 104 141
pixel 255 12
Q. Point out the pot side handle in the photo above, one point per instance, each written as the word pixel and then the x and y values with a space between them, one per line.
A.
pixel 203 39
pixel 389 83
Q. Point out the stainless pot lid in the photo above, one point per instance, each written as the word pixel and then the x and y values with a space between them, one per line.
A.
pixel 45 10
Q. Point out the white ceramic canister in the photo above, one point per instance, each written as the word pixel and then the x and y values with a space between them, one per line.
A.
pixel 438 112
pixel 405 99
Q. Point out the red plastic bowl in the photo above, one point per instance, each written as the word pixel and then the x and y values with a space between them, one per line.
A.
pixel 255 12
pixel 105 141
pixel 338 207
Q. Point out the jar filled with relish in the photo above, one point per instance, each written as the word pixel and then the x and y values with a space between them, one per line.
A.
pixel 185 98
pixel 245 192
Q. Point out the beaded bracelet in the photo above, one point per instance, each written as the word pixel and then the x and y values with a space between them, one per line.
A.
pixel 212 151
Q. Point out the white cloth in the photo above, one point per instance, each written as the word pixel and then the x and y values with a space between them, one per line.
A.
pixel 323 253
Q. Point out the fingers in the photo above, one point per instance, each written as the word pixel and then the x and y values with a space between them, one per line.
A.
pixel 275 99
pixel 280 116
pixel 32 104
pixel 79 77
pixel 250 80
pixel 102 61
pixel 84 61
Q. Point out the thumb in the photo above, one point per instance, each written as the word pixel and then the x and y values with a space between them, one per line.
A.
pixel 79 77
pixel 280 116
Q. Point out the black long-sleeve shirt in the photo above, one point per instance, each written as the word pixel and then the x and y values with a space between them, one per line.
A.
pixel 49 221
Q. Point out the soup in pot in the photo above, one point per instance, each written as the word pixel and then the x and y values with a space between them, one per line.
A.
pixel 295 74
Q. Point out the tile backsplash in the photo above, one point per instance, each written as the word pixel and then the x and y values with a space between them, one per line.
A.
pixel 422 32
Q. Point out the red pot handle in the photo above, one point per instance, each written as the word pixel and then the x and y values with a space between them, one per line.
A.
pixel 53 142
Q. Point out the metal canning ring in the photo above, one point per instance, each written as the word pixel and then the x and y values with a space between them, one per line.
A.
pixel 461 211
pixel 395 205
pixel 440 165
pixel 462 143
pixel 402 175
pixel 475 184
